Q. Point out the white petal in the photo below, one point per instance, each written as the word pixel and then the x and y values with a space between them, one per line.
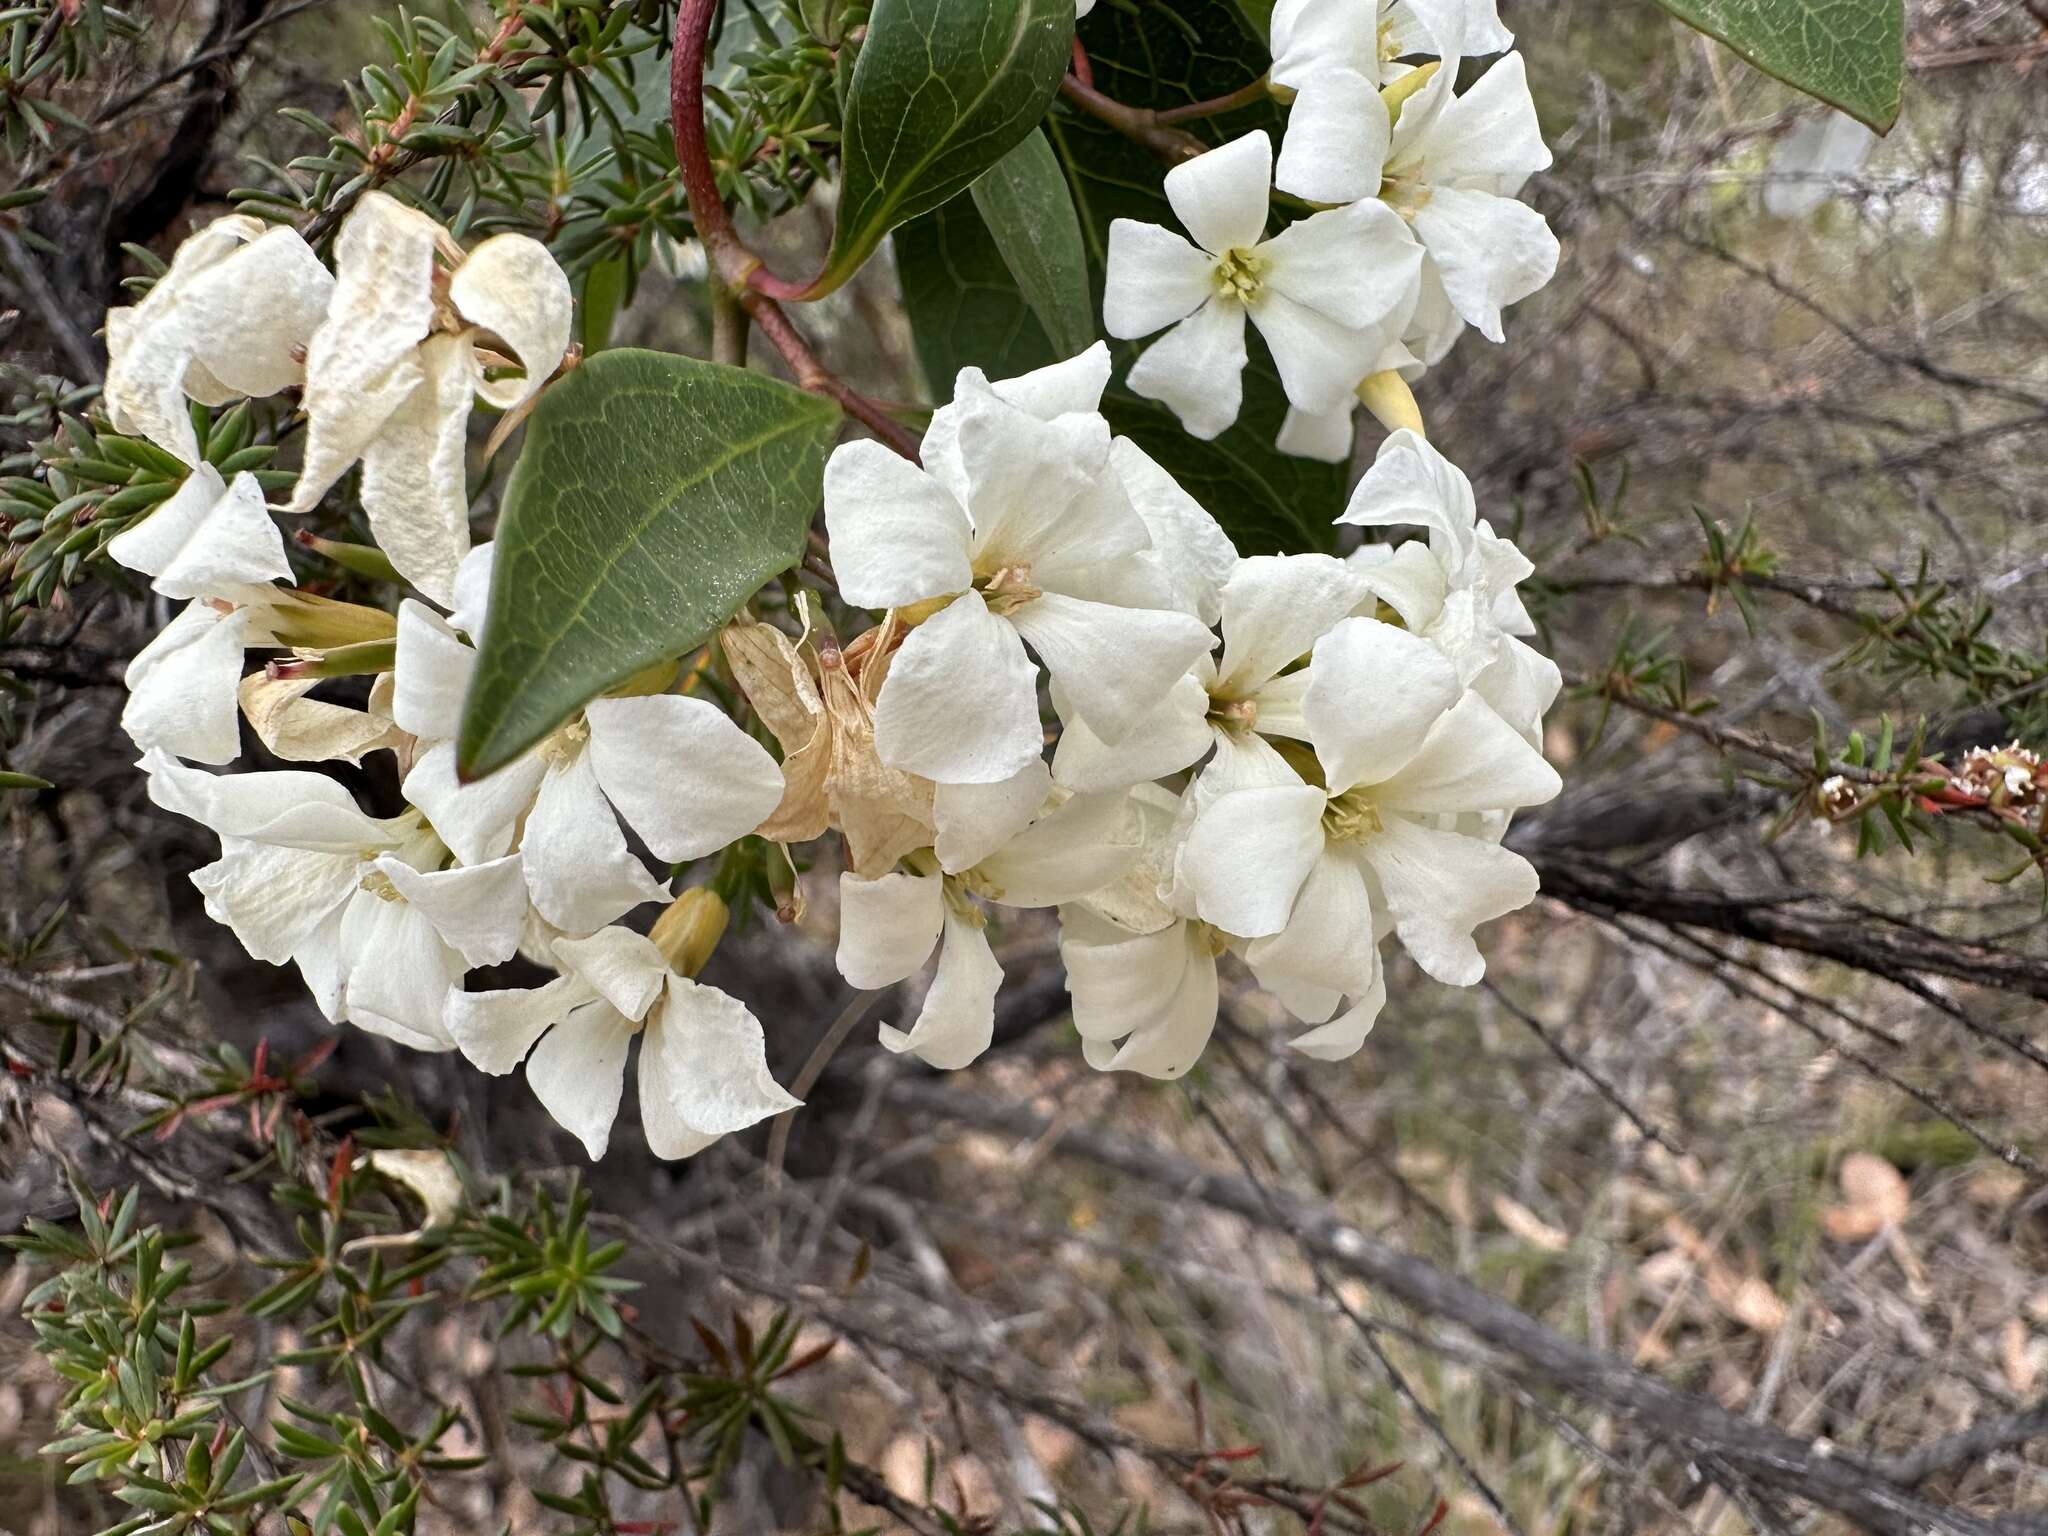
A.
pixel 1221 197
pixel 1248 853
pixel 181 686
pixel 275 899
pixel 289 809
pixel 477 821
pixel 495 1030
pixel 1320 362
pixel 415 487
pixel 1407 578
pixel 1439 887
pixel 1059 388
pixel 249 313
pixel 511 287
pixel 478 910
pixel 959 1015
pixel 1275 608
pixel 1374 693
pixel 1197 369
pixel 1472 761
pixel 206 540
pixel 1328 940
pixel 897 536
pixel 399 973
pixel 1085 845
pixel 1192 551
pixel 1156 993
pixel 1521 684
pixel 685 778
pixel 1357 266
pixel 1153 277
pixel 974 820
pixel 1310 36
pixel 1468 28
pixel 887 927
pixel 1343 1035
pixel 1410 482
pixel 1336 140
pixel 703 1071
pixel 1490 251
pixel 1172 735
pixel 623 967
pixel 961 701
pixel 1112 664
pixel 431 676
pixel 1027 484
pixel 577 865
pixel 302 730
pixel 320 966
pixel 1325 435
pixel 360 364
pixel 473 591
pixel 1487 136
pixel 579 1073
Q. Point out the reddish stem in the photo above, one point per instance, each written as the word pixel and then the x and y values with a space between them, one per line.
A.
pixel 732 263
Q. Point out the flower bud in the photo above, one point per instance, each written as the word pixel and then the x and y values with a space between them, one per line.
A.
pixel 687 934
pixel 1392 402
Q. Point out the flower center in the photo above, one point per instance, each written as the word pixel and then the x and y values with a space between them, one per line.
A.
pixel 1235 717
pixel 1240 274
pixel 1008 589
pixel 959 892
pixel 566 745
pixel 379 885
pixel 1351 817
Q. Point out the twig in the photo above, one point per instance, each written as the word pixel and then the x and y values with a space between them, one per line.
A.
pixel 1700 1426
pixel 1572 1062
pixel 731 262
pixel 28 273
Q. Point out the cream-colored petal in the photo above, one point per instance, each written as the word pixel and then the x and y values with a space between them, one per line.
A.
pixel 303 730
pixel 360 364
pixel 511 287
pixel 415 472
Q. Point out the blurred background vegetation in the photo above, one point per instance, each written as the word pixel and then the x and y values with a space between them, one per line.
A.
pixel 1755 1101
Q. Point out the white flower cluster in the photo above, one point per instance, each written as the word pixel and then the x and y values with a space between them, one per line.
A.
pixel 1293 758
pixel 1340 771
pixel 1419 232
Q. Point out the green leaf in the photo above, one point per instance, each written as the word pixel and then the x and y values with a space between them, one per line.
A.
pixel 12 780
pixel 1849 53
pixel 655 495
pixel 1024 202
pixel 964 303
pixel 942 90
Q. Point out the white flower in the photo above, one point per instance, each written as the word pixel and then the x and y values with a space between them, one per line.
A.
pixel 889 927
pixel 1274 608
pixel 391 373
pixel 703 1057
pixel 1301 869
pixel 1457 588
pixel 1432 331
pixel 181 686
pixel 1019 530
pixel 1454 171
pixel 1326 293
pixel 1314 37
pixel 681 774
pixel 1082 8
pixel 230 318
pixel 206 540
pixel 380 930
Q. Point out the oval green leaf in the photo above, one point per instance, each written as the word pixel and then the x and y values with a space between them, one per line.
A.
pixel 1024 201
pixel 941 91
pixel 1849 53
pixel 654 496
